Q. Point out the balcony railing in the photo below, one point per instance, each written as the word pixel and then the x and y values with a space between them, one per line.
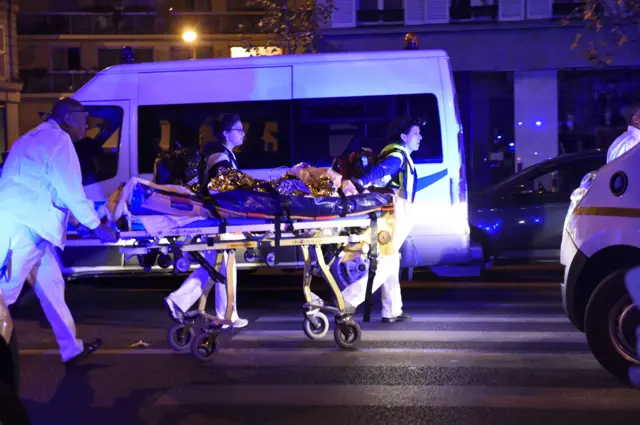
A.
pixel 43 81
pixel 83 23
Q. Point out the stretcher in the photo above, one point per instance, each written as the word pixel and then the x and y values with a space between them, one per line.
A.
pixel 321 239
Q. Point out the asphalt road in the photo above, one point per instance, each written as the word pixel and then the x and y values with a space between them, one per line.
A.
pixel 495 353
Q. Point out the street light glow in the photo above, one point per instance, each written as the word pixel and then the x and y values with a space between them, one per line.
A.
pixel 189 36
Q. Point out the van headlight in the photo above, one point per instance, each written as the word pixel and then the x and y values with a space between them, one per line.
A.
pixel 578 195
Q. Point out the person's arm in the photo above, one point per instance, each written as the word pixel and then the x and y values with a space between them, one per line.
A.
pixel 66 178
pixel 216 162
pixel 390 166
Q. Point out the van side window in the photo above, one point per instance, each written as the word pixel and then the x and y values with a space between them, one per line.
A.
pixel 325 128
pixel 266 125
pixel 98 150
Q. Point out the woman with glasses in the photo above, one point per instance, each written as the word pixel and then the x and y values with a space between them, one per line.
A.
pixel 219 155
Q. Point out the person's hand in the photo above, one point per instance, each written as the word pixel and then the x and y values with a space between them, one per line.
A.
pixel 83 231
pixel 105 233
pixel 358 184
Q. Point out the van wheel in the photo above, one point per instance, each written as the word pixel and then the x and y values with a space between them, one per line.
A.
pixel 611 322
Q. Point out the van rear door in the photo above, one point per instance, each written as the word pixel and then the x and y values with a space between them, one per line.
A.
pixel 104 156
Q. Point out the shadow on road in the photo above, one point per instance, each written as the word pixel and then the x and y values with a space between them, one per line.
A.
pixel 72 403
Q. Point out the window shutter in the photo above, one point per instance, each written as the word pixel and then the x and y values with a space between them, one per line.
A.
pixel 414 11
pixel 344 14
pixel 511 10
pixel 436 11
pixel 539 9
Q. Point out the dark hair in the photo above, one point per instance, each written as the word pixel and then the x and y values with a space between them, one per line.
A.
pixel 630 111
pixel 224 123
pixel 402 125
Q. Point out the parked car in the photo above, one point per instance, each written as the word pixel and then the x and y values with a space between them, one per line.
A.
pixel 522 217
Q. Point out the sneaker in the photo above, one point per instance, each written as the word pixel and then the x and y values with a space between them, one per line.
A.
pixel 239 323
pixel 404 317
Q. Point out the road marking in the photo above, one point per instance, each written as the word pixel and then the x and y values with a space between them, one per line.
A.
pixel 404 285
pixel 367 357
pixel 402 395
pixel 396 335
pixel 441 318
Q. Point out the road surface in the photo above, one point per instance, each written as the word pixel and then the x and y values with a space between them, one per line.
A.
pixel 500 353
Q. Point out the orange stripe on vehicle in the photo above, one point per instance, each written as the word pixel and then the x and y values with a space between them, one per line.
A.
pixel 608 211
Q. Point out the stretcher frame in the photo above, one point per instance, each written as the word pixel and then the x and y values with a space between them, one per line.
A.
pixel 308 235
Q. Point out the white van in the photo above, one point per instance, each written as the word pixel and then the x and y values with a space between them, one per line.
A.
pixel 294 108
pixel 601 241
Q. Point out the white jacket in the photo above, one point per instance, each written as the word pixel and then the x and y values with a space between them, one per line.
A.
pixel 623 143
pixel 41 184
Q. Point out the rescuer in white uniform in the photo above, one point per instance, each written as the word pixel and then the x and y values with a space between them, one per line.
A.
pixel 40 186
pixel 230 134
pixel 395 170
pixel 629 138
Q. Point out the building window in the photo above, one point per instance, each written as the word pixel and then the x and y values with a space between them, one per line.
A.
pixel 4 141
pixel 65 59
pixel 186 53
pixel 241 52
pixel 590 105
pixel 380 11
pixel 240 6
pixel 113 56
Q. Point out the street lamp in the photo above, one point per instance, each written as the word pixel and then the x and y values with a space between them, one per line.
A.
pixel 189 36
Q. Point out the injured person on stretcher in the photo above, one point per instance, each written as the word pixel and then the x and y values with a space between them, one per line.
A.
pixel 173 221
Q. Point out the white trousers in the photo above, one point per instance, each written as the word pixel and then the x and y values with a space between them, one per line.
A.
pixel 388 277
pixel 193 287
pixel 34 259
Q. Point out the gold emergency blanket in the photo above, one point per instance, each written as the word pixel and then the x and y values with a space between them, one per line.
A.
pixel 301 180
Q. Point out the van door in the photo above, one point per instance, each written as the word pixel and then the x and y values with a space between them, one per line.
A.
pixel 105 164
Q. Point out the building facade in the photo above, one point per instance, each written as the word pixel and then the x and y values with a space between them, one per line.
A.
pixel 10 86
pixel 524 94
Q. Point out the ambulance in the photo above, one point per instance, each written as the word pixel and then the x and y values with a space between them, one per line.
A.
pixel 601 242
pixel 294 108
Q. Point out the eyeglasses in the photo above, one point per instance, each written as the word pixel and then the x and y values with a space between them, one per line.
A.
pixel 237 129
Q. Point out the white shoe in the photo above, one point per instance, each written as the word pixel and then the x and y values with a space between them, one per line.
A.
pixel 239 323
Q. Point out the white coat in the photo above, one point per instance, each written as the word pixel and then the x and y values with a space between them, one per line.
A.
pixel 626 141
pixel 41 184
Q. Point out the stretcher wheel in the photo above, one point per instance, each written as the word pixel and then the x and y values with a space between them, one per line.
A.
pixel 316 332
pixel 347 334
pixel 205 347
pixel 180 336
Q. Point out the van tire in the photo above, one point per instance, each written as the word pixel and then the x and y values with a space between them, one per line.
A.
pixel 605 297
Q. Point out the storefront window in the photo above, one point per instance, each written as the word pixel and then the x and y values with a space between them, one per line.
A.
pixel 590 107
pixel 487 112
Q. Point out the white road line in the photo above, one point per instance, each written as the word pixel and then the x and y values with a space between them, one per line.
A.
pixel 383 395
pixel 369 357
pixel 440 318
pixel 425 336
